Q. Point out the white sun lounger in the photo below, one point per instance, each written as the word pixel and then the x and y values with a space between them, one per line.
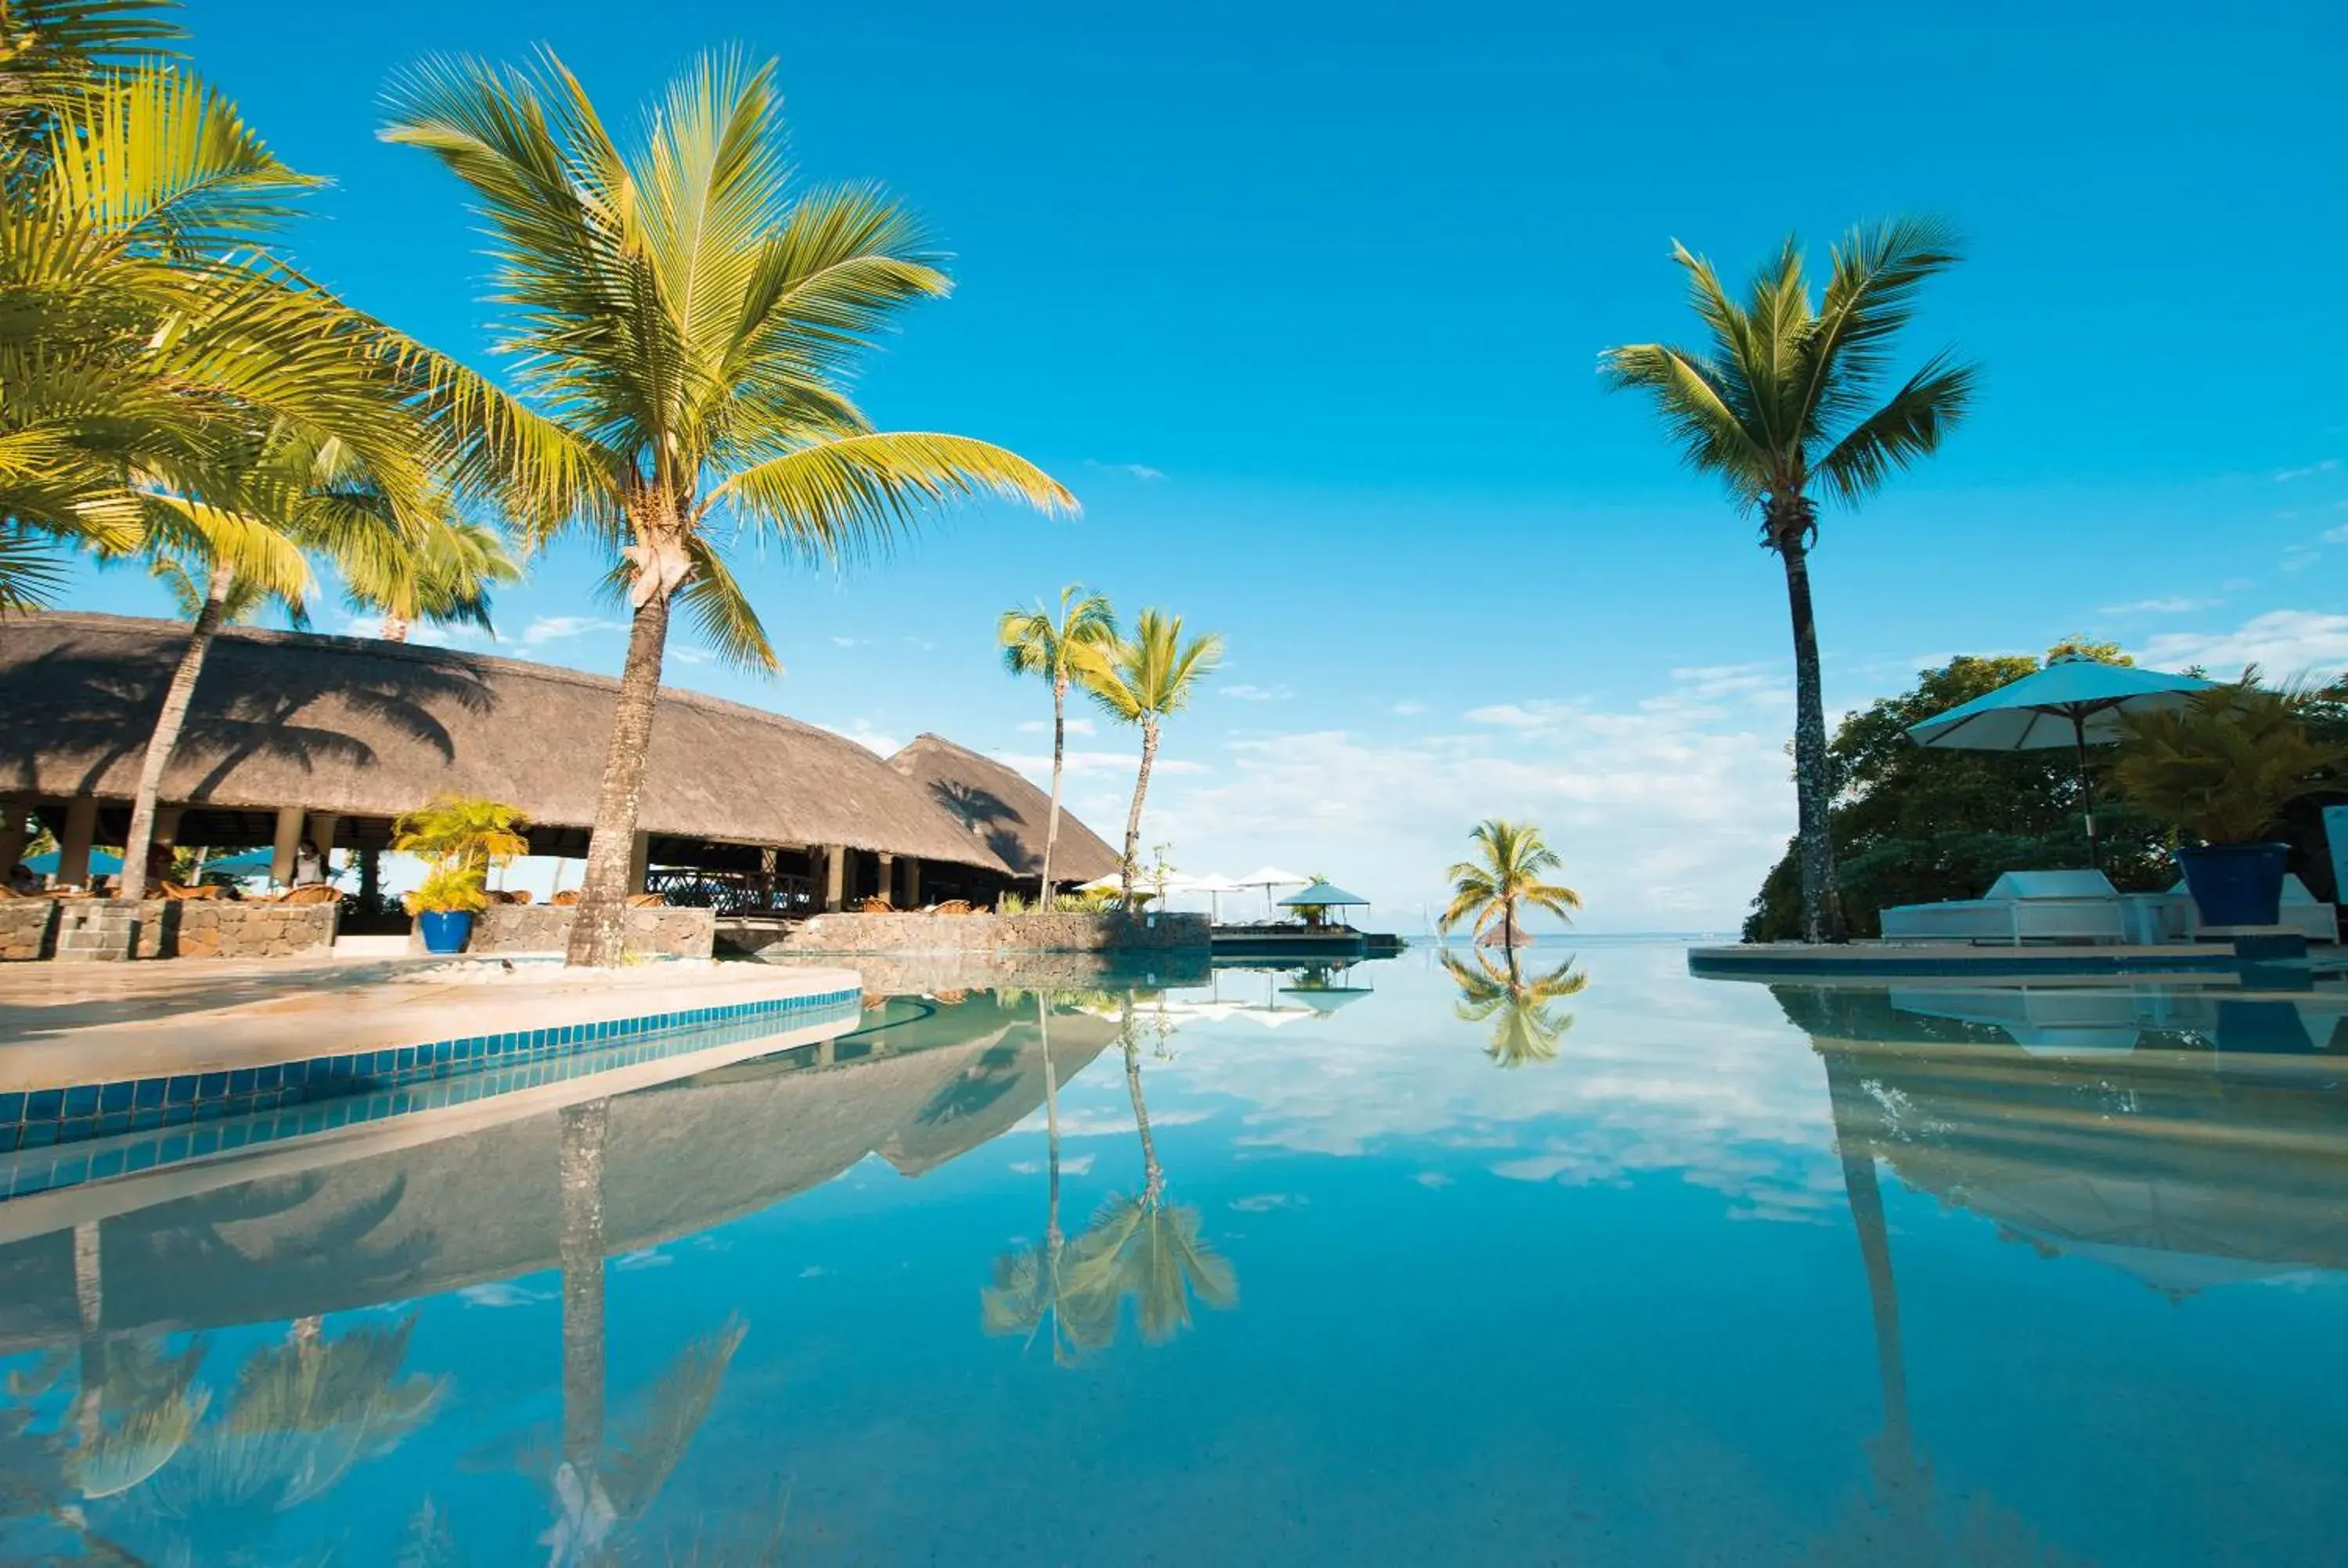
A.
pixel 2176 918
pixel 2020 906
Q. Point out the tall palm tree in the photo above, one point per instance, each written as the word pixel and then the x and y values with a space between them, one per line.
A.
pixel 1785 401
pixel 682 319
pixel 1139 680
pixel 1030 1282
pixel 1505 879
pixel 442 574
pixel 1039 642
pixel 1524 1030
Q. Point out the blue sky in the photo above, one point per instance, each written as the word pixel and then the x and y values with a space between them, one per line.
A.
pixel 1305 303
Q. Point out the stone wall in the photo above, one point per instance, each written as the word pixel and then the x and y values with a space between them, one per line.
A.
pixel 27 929
pixel 546 928
pixel 933 974
pixel 91 930
pixel 892 934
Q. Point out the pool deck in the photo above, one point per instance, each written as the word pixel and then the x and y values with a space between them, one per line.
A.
pixel 1875 962
pixel 85 1023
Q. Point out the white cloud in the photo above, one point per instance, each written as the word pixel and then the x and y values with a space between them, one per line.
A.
pixel 2299 558
pixel 2281 643
pixel 2338 536
pixel 1044 727
pixel 1141 471
pixel 850 641
pixel 561 627
pixel 684 653
pixel 1038 765
pixel 2172 606
pixel 862 731
pixel 2284 475
pixel 1245 693
pixel 1409 710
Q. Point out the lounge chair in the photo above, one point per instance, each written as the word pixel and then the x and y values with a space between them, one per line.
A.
pixel 2020 906
pixel 2175 918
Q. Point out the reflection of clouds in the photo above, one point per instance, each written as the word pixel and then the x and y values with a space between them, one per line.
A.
pixel 1107 1124
pixel 502 1293
pixel 1078 1166
pixel 1663 1073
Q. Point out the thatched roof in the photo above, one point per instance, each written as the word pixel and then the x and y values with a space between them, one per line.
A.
pixel 997 805
pixel 365 728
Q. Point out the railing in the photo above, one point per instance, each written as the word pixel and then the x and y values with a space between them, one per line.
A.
pixel 736 892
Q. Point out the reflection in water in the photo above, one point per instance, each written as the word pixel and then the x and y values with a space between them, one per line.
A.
pixel 1517 1005
pixel 656 1326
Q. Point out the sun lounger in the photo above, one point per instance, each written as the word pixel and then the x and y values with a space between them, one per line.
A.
pixel 2180 918
pixel 2020 906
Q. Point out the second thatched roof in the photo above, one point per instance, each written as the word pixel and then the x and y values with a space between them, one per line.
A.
pixel 998 808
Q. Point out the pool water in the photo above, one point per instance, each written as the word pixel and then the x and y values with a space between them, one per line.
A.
pixel 1413 1265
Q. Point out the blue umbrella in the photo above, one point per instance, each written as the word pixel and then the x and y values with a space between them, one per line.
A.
pixel 101 864
pixel 2071 701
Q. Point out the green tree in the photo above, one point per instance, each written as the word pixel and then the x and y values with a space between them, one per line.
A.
pixel 1505 879
pixel 1916 824
pixel 1051 644
pixel 443 574
pixel 682 320
pixel 1785 402
pixel 1138 680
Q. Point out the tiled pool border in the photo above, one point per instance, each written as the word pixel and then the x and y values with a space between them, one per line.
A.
pixel 35 1119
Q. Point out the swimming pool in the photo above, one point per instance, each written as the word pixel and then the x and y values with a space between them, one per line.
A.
pixel 1411 1265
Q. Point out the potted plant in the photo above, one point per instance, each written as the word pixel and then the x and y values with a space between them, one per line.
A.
pixel 2220 767
pixel 460 837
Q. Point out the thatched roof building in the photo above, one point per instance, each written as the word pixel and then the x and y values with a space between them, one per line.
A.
pixel 1000 809
pixel 358 731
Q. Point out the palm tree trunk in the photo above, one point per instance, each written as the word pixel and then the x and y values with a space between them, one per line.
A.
pixel 1133 818
pixel 599 930
pixel 168 726
pixel 580 1167
pixel 1059 759
pixel 89 1303
pixel 1821 907
pixel 1051 1125
pixel 394 628
pixel 1153 1175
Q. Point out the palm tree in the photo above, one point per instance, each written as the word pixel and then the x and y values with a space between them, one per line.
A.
pixel 1785 401
pixel 1139 680
pixel 1506 879
pixel 1030 1282
pixel 442 576
pixel 150 330
pixel 681 320
pixel 1038 642
pixel 1525 1030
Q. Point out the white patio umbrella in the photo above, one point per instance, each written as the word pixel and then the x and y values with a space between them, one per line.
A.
pixel 1269 877
pixel 1214 884
pixel 2075 702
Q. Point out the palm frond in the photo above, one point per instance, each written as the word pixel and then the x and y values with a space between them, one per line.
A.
pixel 843 498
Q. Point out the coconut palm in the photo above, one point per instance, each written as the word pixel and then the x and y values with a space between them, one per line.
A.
pixel 441 574
pixel 1523 1028
pixel 1030 1281
pixel 152 338
pixel 1040 641
pixel 1138 680
pixel 682 319
pixel 1492 890
pixel 1786 401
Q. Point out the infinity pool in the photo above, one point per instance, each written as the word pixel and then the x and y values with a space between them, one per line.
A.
pixel 1416 1264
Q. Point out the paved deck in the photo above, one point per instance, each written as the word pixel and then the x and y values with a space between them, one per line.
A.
pixel 1875 962
pixel 82 1023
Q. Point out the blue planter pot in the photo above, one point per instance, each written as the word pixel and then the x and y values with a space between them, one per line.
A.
pixel 2236 884
pixel 445 930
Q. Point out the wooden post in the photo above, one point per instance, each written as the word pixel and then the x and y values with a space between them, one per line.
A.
pixel 73 844
pixel 912 882
pixel 835 876
pixel 281 847
pixel 640 855
pixel 885 883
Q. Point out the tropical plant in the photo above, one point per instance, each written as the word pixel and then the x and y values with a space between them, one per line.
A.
pixel 1523 1028
pixel 462 837
pixel 150 340
pixel 1138 680
pixel 1785 402
pixel 1506 879
pixel 441 573
pixel 682 320
pixel 2222 764
pixel 1050 643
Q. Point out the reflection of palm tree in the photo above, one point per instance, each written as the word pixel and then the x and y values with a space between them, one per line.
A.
pixel 1525 1029
pixel 1026 1292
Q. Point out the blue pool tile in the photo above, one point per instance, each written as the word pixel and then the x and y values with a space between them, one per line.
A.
pixel 406 1058
pixel 12 1109
pixel 75 1129
pixel 116 1096
pixel 8 1136
pixel 139 1157
pixel 233 1135
pixel 82 1101
pixel 182 1091
pixel 206 1141
pixel 212 1085
pixel 45 1105
pixel 113 1121
pixel 150 1093
pixel 211 1111
pixel 152 1116
pixel 175 1115
pixel 108 1163
pixel 38 1135
pixel 243 1080
pixel 173 1147
pixel 265 1079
